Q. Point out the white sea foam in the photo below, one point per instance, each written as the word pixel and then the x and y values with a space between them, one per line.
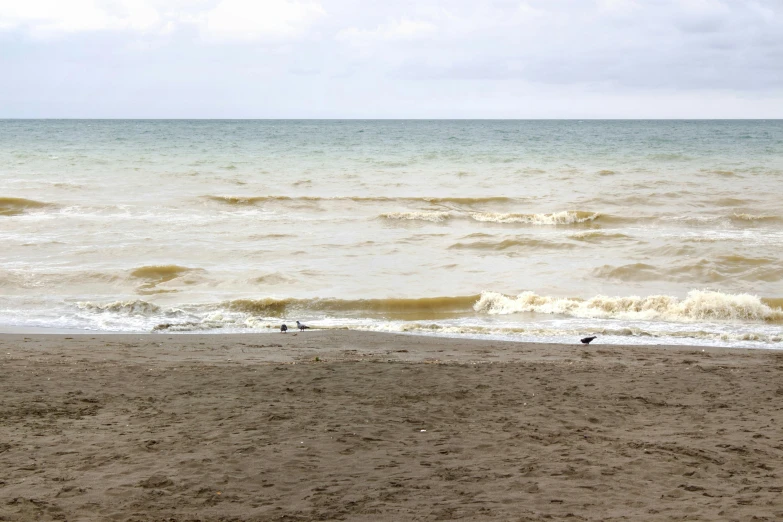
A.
pixel 566 217
pixel 435 217
pixel 755 217
pixel 699 305
pixel 137 307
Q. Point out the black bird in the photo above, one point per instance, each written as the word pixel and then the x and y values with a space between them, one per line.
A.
pixel 588 340
pixel 284 328
pixel 301 326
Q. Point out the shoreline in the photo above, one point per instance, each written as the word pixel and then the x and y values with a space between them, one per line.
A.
pixel 445 337
pixel 334 344
pixel 348 425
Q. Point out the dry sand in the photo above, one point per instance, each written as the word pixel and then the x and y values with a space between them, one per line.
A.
pixel 384 427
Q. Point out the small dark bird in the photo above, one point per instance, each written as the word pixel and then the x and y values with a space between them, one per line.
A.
pixel 588 340
pixel 301 326
pixel 284 328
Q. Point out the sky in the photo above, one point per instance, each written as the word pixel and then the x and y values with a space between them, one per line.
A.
pixel 391 59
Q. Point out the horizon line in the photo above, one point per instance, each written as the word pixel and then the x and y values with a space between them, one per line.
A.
pixel 378 119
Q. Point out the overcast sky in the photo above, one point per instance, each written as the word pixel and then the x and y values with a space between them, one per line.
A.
pixel 391 59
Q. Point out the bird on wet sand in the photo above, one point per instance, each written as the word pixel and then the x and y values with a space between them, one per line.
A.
pixel 284 328
pixel 301 326
pixel 588 340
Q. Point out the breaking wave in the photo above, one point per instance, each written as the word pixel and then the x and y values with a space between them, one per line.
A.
pixel 754 218
pixel 566 217
pixel 16 206
pixel 434 217
pixel 137 307
pixel 699 305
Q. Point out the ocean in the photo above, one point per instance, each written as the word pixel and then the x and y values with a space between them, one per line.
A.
pixel 639 232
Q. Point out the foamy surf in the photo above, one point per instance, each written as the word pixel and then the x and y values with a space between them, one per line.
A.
pixel 136 307
pixel 566 217
pixel 756 218
pixel 217 217
pixel 699 305
pixel 703 317
pixel 434 217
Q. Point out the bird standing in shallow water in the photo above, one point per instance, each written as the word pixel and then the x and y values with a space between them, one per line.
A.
pixel 588 340
pixel 284 329
pixel 301 326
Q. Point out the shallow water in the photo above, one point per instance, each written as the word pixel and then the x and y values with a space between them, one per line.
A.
pixel 642 231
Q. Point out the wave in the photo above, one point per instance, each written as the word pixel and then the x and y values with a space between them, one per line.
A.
pixel 702 315
pixel 137 307
pixel 16 206
pixel 15 278
pixel 434 217
pixel 160 273
pixel 729 202
pixel 699 305
pixel 739 219
pixel 670 156
pixel 566 217
pixel 427 305
pixel 755 218
pixel 630 272
pixel 598 236
pixel 274 278
pixel 467 201
pixel 511 244
pixel 155 275
pixel 464 201
pixel 740 261
pixel 721 268
pixel 244 200
pixel 773 302
pixel 693 220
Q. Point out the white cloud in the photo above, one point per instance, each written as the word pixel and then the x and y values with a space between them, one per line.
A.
pixel 618 6
pixel 216 19
pixel 404 29
pixel 254 20
pixel 416 49
pixel 51 17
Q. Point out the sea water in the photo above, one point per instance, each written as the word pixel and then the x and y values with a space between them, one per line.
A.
pixel 637 231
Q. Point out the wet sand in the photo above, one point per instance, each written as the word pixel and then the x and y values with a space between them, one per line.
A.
pixel 338 425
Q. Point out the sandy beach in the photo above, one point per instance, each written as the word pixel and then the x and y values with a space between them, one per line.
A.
pixel 344 425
